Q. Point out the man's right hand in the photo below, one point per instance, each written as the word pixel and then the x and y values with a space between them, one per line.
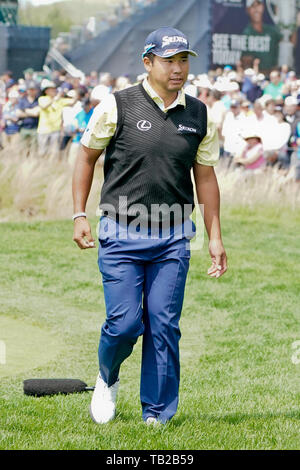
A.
pixel 82 234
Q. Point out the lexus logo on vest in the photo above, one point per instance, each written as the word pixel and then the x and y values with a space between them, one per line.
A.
pixel 144 125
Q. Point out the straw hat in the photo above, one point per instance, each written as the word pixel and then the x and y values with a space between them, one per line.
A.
pixel 47 84
pixel 251 134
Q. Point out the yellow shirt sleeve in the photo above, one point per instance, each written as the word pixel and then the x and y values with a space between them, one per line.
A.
pixel 209 150
pixel 102 124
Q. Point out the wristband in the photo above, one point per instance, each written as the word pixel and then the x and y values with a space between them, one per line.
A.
pixel 79 214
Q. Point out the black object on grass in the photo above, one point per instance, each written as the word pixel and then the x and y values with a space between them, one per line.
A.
pixel 43 387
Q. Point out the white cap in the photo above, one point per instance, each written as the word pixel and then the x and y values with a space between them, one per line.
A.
pixel 249 72
pixel 99 92
pixel 232 76
pixel 141 77
pixel 45 83
pixel 13 94
pixel 261 77
pixel 233 86
pixel 291 101
pixel 203 82
pixel 251 133
pixel 264 99
pixel 222 85
pixel 191 90
pixel 249 3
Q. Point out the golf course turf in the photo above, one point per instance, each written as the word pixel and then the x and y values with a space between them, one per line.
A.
pixel 240 388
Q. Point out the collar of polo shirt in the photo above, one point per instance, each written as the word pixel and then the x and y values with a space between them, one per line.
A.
pixel 180 100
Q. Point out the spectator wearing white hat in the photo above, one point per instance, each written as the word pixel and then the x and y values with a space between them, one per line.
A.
pixel 270 106
pixel 203 85
pixel 68 116
pixel 252 157
pixel 291 110
pixel 232 93
pixel 51 105
pixel 122 83
pixel 98 94
pixel 232 131
pixel 247 114
pixel 282 136
pixel 216 110
pixel 292 116
pixel 10 119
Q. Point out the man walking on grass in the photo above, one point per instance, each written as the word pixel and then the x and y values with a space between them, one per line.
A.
pixel 154 135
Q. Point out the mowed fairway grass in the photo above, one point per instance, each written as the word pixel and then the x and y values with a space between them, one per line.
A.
pixel 239 386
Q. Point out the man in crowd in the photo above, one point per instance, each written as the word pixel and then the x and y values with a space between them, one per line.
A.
pixel 274 88
pixel 232 131
pixel 10 120
pixel 28 111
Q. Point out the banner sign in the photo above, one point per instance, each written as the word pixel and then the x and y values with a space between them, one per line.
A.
pixel 243 30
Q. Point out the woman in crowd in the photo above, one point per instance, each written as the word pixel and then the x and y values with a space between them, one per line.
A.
pixel 10 119
pixel 252 158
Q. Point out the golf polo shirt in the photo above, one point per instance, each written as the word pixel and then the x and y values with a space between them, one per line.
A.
pixel 103 125
pixel 150 153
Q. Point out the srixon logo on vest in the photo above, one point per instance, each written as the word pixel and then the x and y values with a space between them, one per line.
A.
pixel 182 128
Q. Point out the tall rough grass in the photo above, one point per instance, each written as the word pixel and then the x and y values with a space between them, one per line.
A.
pixel 271 187
pixel 40 188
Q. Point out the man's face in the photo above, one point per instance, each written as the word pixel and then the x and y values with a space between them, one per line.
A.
pixel 32 92
pixel 256 12
pixel 275 78
pixel 51 92
pixel 270 107
pixel 252 142
pixel 235 110
pixel 168 74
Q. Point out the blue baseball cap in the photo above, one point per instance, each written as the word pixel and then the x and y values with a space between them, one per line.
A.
pixel 166 42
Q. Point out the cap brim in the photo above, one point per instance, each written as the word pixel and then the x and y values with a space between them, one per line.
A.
pixel 174 52
pixel 252 137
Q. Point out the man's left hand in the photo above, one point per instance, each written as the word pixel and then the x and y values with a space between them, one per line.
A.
pixel 218 257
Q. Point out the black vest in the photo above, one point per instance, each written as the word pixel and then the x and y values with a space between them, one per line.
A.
pixel 149 159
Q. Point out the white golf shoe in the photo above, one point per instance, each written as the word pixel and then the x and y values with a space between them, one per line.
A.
pixel 103 404
pixel 152 421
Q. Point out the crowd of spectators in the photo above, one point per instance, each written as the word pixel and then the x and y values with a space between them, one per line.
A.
pixel 257 116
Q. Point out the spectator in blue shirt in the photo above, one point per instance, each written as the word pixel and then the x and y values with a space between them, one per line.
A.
pixel 28 111
pixel 10 119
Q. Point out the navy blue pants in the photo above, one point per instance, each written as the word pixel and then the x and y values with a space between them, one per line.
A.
pixel 143 282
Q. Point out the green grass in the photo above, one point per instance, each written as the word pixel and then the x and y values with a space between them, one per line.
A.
pixel 239 386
